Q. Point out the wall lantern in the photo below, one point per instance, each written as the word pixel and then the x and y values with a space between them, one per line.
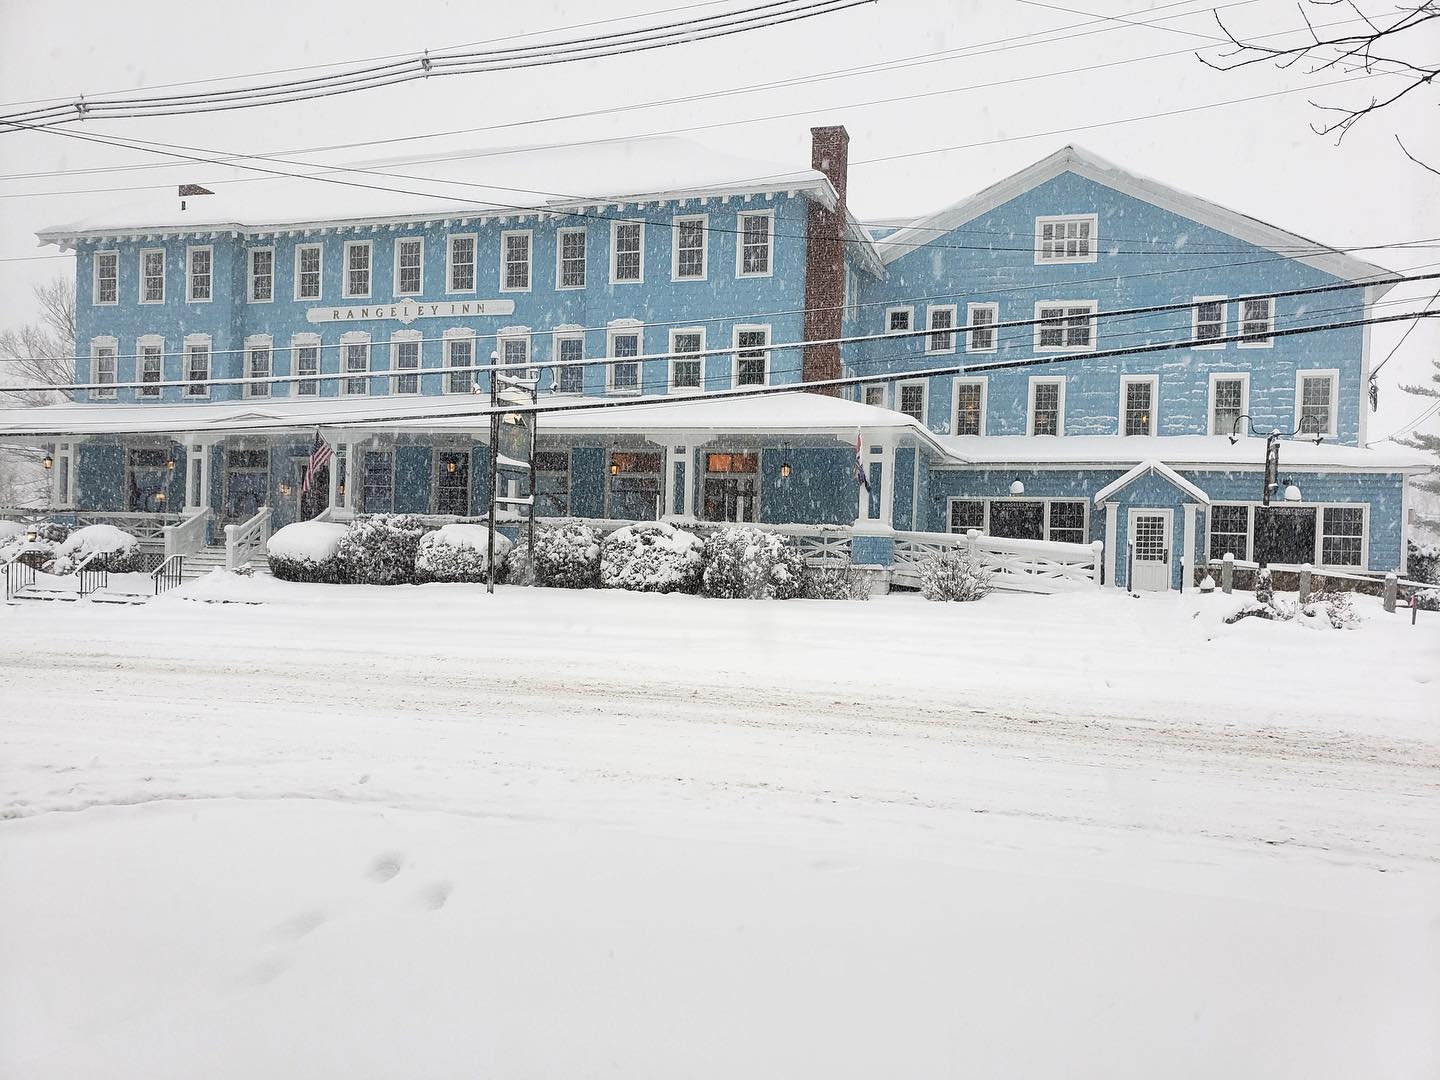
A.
pixel 1017 487
pixel 340 489
pixel 285 489
pixel 160 498
pixel 48 462
pixel 785 469
pixel 614 468
pixel 450 467
pixel 170 464
pixel 1292 493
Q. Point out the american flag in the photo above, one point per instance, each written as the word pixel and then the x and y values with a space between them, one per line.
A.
pixel 319 458
pixel 860 477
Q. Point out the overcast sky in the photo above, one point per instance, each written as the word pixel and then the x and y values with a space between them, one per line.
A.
pixel 1258 156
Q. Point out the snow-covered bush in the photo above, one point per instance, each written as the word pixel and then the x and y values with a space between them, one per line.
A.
pixel 567 556
pixel 952 575
pixel 306 551
pixel 1428 599
pixel 380 549
pixel 743 562
pixel 1422 563
pixel 1321 609
pixel 458 553
pixel 836 583
pixel 9 530
pixel 114 550
pixel 37 553
pixel 651 556
pixel 53 532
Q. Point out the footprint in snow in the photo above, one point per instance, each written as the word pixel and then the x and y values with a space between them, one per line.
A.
pixel 434 897
pixel 294 929
pixel 384 867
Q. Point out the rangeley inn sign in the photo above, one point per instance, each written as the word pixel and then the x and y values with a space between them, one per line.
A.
pixel 407 311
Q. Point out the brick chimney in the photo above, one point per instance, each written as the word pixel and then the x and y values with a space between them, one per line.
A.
pixel 825 258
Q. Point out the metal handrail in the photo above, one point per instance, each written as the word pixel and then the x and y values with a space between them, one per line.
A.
pixel 168 574
pixel 91 580
pixel 17 575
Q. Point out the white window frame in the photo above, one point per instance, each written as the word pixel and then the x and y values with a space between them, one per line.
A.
pixel 97 346
pixel 252 388
pixel 704 220
pixel 563 334
pixel 1094 308
pixel 628 328
pixel 193 341
pixel 164 273
pixel 1053 219
pixel 250 253
pixel 735 356
pixel 1047 501
pixel 1127 381
pixel 909 310
pixel 306 341
pixel 670 384
pixel 149 341
pixel 1038 380
pixel 319 250
pixel 560 235
pixel 740 219
pixel 1217 377
pixel 458 333
pixel 1317 555
pixel 404 337
pixel 450 264
pixel 355 337
pixel 884 394
pixel 1269 341
pixel 969 380
pixel 1224 302
pixel 614 251
pixel 114 257
pixel 1320 534
pixel 930 312
pixel 351 245
pixel 1333 375
pixel 516 333
pixel 924 385
pixel 529 235
pixel 395 265
pixel 994 310
pixel 190 253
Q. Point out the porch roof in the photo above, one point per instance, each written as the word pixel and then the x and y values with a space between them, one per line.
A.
pixel 1158 468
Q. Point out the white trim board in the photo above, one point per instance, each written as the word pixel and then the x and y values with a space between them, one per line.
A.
pixel 1160 469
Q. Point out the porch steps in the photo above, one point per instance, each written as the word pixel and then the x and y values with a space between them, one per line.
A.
pixel 62 596
pixel 199 563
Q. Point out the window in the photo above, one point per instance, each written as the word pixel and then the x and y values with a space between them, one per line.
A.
pixel 307 272
pixel 460 353
pixel 1315 402
pixel 570 253
pixel 912 400
pixel 1228 394
pixel 409 266
pixel 941 318
pixel 1047 406
pixel 1065 325
pixel 355 351
pixel 1230 531
pixel 875 395
pixel 852 295
pixel 378 482
pixel 752 358
pixel 146 476
pixel 732 486
pixel 967 514
pixel 257 366
pixel 1069 239
pixel 969 407
pixel 151 366
pixel 262 275
pixel 1285 534
pixel 197 367
pixel 982 319
pixel 515 352
pixel 625 376
pixel 357 268
pixel 103 366
pixel 306 350
pixel 634 491
pixel 1065 521
pixel 897 319
pixel 106 289
pixel 627 251
pixel 753 256
pixel 1209 325
pixel 1017 519
pixel 570 376
pixel 405 356
pixel 1257 320
pixel 515 261
pixel 200 275
pixel 460 273
pixel 685 374
pixel 552 482
pixel 691 261
pixel 1342 536
pixel 152 276
pixel 1137 404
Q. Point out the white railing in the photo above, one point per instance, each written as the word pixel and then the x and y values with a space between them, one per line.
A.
pixel 148 528
pixel 1041 566
pixel 189 536
pixel 243 542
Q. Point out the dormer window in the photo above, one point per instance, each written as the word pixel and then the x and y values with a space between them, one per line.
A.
pixel 1067 238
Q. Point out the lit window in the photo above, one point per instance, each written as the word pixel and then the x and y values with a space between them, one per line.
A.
pixel 262 275
pixel 685 369
pixel 201 275
pixel 572 258
pixel 1139 406
pixel 627 251
pixel 690 253
pixel 357 268
pixel 1065 326
pixel 969 407
pixel 307 272
pixel 1066 239
pixel 409 266
pixel 982 319
pixel 1227 404
pixel 462 264
pixel 751 355
pixel 107 277
pixel 755 243
pixel 515 253
pixel 1047 404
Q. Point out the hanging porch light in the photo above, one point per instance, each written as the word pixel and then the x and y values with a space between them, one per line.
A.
pixel 47 461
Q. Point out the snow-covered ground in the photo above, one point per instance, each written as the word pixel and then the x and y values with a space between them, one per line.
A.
pixel 359 832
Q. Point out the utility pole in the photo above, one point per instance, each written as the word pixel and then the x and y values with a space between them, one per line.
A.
pixel 505 389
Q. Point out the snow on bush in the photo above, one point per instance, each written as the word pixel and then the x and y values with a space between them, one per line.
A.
pixel 1428 599
pixel 380 549
pixel 54 532
pixel 306 551
pixel 952 575
pixel 1422 563
pixel 651 556
pixel 458 553
pixel 746 563
pixel 113 550
pixel 1321 609
pixel 567 556
pixel 836 583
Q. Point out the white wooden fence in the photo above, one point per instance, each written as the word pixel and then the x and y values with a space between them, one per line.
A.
pixel 1039 566
pixel 243 542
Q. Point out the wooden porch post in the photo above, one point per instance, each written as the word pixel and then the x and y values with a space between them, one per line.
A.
pixel 687 502
pixel 1112 514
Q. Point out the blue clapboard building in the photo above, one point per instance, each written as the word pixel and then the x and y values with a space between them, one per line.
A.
pixel 659 290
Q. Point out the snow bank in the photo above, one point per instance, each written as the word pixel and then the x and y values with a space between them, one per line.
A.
pixel 221 586
pixel 314 541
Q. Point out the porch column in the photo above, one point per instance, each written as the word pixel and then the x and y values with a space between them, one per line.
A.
pixel 887 485
pixel 1112 515
pixel 62 476
pixel 1187 554
pixel 334 500
pixel 345 498
pixel 197 476
pixel 862 491
pixel 687 502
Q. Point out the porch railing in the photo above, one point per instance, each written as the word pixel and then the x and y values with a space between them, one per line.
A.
pixel 188 536
pixel 243 542
pixel 1041 566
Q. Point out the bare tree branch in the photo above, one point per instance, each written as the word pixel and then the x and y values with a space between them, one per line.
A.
pixel 1417 161
pixel 41 354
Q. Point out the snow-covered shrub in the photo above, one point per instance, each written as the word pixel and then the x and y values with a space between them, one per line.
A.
pixel 380 549
pixel 114 550
pixel 458 553
pixel 9 530
pixel 836 583
pixel 651 556
pixel 306 551
pixel 1264 586
pixel 746 563
pixel 952 575
pixel 1428 599
pixel 567 556
pixel 1321 609
pixel 37 553
pixel 1422 563
pixel 54 532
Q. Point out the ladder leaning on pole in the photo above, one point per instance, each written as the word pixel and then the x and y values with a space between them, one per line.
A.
pixel 512 445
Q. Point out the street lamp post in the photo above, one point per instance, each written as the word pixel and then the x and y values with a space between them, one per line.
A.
pixel 1271 481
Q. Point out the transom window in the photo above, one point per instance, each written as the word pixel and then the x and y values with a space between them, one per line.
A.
pixel 357 268
pixel 755 244
pixel 462 264
pixel 107 277
pixel 570 377
pixel 1065 326
pixel 897 319
pixel 307 362
pixel 1317 403
pixel 751 355
pixel 1066 239
pixel 1209 325
pixel 201 274
pixel 572 258
pixel 460 353
pixel 1257 322
pixel 356 355
pixel 690 249
pixel 104 357
pixel 627 251
pixel 152 367
pixel 307 272
pixel 262 275
pixel 197 369
pixel 515 256
pixel 405 353
pixel 1227 403
pixel 685 367
pixel 1047 406
pixel 409 266
pixel 625 376
pixel 912 400
pixel 1138 398
pixel 969 407
pixel 257 366
pixel 941 318
pixel 982 319
pixel 152 277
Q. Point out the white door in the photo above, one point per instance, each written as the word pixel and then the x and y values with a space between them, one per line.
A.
pixel 1149 550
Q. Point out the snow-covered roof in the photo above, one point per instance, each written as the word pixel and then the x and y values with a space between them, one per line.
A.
pixel 455 184
pixel 1145 468
pixel 1083 163
pixel 1177 451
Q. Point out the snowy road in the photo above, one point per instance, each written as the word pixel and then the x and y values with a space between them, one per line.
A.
pixel 875 839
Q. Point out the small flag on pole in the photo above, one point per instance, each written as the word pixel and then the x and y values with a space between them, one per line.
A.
pixel 319 458
pixel 860 477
